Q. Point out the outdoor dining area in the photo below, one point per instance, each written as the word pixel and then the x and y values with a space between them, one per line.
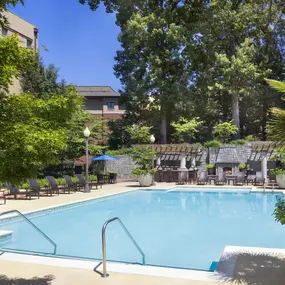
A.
pixel 229 165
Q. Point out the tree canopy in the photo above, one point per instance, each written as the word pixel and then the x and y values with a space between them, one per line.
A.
pixel 199 58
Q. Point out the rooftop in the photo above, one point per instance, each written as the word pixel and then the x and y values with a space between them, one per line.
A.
pixel 97 91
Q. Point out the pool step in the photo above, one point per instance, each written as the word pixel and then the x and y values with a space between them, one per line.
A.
pixel 5 237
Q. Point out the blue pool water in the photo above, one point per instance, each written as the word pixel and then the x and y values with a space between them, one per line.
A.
pixel 175 228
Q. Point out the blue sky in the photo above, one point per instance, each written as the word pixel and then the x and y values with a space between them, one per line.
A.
pixel 80 42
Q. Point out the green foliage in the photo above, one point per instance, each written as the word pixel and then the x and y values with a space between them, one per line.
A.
pixel 186 130
pixel 239 142
pixel 139 134
pixel 251 138
pixel 13 60
pixel 277 171
pixel 279 211
pixel 213 143
pixel 40 81
pixel 143 158
pixel 225 131
pixel 122 151
pixel 33 133
pixel 119 136
pixel 60 181
pixel 210 166
pixel 276 126
pixel 243 166
pixel 140 171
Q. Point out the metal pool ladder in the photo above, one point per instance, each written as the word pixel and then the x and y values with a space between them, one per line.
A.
pixel 35 227
pixel 105 274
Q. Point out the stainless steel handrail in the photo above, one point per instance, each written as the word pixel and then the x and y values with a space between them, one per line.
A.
pixel 32 224
pixel 105 274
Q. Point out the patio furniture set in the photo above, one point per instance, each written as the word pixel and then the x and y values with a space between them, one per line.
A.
pixel 203 178
pixel 70 186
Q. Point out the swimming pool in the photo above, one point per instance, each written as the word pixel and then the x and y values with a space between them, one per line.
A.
pixel 178 228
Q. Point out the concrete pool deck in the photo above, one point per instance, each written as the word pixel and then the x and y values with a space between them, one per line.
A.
pixel 22 273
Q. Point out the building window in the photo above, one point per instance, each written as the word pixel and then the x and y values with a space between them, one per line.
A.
pixel 4 32
pixel 111 106
pixel 29 43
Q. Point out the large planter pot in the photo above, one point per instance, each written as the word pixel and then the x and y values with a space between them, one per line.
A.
pixel 145 180
pixel 280 179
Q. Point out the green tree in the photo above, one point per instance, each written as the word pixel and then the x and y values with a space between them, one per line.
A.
pixel 240 77
pixel 40 81
pixel 186 130
pixel 225 131
pixel 243 37
pixel 13 60
pixel 33 133
pixel 139 134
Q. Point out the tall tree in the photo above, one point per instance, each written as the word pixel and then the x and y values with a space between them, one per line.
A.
pixel 13 60
pixel 223 27
pixel 41 81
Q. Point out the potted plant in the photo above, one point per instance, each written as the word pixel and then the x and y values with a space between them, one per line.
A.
pixel 243 167
pixel 280 176
pixel 211 168
pixel 143 157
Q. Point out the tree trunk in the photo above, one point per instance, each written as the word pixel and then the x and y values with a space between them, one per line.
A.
pixel 235 114
pixel 163 127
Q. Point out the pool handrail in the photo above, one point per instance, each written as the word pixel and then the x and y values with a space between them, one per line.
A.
pixel 33 225
pixel 105 274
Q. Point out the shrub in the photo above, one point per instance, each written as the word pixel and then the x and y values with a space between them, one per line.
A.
pixel 210 166
pixel 60 181
pixel 213 143
pixel 143 157
pixel 140 171
pixel 277 171
pixel 243 166
pixel 239 142
pixel 122 151
pixel 225 131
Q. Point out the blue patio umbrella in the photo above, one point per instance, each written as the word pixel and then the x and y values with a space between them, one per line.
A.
pixel 104 157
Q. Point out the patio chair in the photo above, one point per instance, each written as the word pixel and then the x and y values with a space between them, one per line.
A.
pixel 202 178
pixel 250 178
pixel 15 191
pixel 81 181
pixel 36 188
pixel 72 185
pixel 100 179
pixel 53 185
pixel 221 179
pixel 113 178
pixel 240 179
pixel 259 180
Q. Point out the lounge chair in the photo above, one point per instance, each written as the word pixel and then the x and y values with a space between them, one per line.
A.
pixel 203 178
pixel 15 191
pixel 250 178
pixel 36 188
pixel 56 188
pixel 240 179
pixel 259 180
pixel 72 185
pixel 91 183
pixel 221 179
